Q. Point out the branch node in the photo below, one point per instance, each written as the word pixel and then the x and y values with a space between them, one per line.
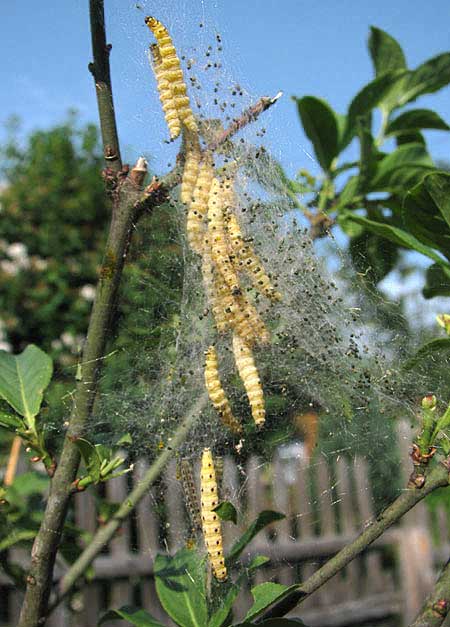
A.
pixel 110 153
pixel 440 608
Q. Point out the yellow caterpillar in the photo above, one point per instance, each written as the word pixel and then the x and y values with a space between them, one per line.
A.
pixel 199 206
pixel 236 312
pixel 221 318
pixel 173 72
pixel 247 258
pixel 165 93
pixel 191 167
pixel 216 392
pixel 190 494
pixel 219 241
pixel 212 531
pixel 250 378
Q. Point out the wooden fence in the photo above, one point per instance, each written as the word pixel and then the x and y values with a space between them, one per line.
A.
pixel 326 505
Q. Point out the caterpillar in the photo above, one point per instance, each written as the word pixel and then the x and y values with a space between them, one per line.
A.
pixel 247 258
pixel 173 72
pixel 221 318
pixel 216 392
pixel 219 241
pixel 191 167
pixel 236 312
pixel 190 494
pixel 199 205
pixel 212 531
pixel 250 378
pixel 165 93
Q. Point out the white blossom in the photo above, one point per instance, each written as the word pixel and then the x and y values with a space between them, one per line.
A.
pixel 87 292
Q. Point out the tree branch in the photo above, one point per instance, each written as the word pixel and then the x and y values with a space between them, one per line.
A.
pixel 126 195
pixel 438 478
pixel 246 117
pixel 106 532
pixel 102 76
pixel 437 605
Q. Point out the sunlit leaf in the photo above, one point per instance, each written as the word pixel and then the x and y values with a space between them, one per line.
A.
pixel 23 379
pixel 226 511
pixel 416 119
pixel 181 587
pixel 265 595
pixel 321 127
pixel 135 616
pixel 385 51
pixel 398 236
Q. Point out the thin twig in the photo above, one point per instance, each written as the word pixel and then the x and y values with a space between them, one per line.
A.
pixel 247 116
pixel 437 606
pixel 106 532
pixel 13 459
pixel 438 478
pixel 103 88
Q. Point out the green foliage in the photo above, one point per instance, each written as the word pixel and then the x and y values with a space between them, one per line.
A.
pixel 226 511
pixel 101 461
pixel 54 207
pixel 133 615
pixel 181 582
pixel 398 194
pixel 23 380
pixel 264 595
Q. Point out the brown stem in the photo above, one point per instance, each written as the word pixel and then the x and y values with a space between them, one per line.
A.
pixel 438 477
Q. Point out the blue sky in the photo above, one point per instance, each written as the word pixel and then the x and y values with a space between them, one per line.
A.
pixel 300 47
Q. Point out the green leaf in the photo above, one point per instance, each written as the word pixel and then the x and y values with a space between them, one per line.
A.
pixel 181 587
pixel 23 379
pixel 426 211
pixel 11 422
pixel 263 519
pixel 16 536
pixel 258 561
pixel 125 439
pixel 435 348
pixel 321 127
pixel 412 155
pixel 438 186
pixel 437 282
pixel 370 96
pixel 385 51
pixel 398 236
pixel 133 615
pixel 372 256
pixel 265 595
pixel 410 137
pixel 276 622
pixel 28 483
pixel 414 120
pixel 426 79
pixel 368 154
pixel 221 615
pixel 348 194
pixel 91 458
pixel 226 511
